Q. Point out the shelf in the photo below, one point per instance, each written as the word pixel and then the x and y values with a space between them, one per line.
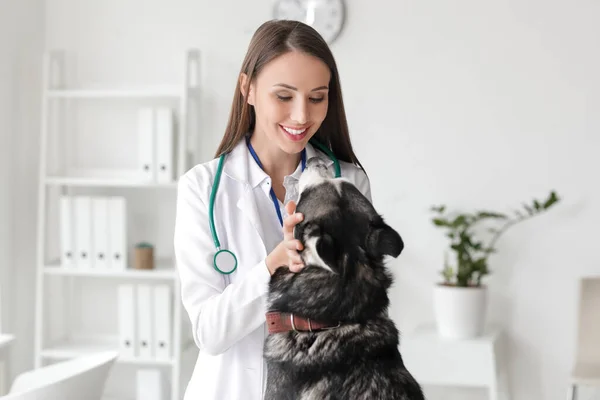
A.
pixel 163 271
pixel 106 182
pixel 152 92
pixel 67 349
pixel 157 275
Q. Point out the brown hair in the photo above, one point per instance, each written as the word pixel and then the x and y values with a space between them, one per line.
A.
pixel 272 39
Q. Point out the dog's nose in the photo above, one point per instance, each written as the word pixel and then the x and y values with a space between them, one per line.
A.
pixel 314 161
pixel 315 172
pixel 316 164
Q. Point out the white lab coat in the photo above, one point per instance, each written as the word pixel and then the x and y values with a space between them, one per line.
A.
pixel 227 313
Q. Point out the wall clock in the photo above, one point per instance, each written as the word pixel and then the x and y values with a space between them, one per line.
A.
pixel 326 16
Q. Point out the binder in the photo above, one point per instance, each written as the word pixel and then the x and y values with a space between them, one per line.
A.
pixel 67 254
pixel 164 145
pixel 145 133
pixel 83 231
pixel 144 337
pixel 162 322
pixel 100 232
pixel 126 313
pixel 117 227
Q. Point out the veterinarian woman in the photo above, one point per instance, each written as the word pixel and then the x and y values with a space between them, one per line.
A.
pixel 288 93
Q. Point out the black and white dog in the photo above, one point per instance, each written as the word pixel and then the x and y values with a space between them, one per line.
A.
pixel 330 337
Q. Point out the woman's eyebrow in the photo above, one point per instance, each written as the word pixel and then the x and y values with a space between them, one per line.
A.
pixel 293 88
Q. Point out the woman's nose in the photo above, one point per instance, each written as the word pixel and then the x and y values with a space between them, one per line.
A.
pixel 300 112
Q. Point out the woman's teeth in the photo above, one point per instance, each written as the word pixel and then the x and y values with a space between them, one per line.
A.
pixel 294 131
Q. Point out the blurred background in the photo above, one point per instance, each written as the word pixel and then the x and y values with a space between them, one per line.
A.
pixel 474 105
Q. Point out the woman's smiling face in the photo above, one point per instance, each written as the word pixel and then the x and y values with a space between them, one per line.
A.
pixel 290 99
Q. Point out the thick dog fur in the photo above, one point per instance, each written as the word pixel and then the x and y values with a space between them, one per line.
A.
pixel 344 280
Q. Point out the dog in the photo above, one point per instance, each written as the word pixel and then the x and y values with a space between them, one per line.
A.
pixel 330 337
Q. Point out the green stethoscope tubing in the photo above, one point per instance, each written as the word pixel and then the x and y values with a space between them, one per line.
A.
pixel 213 231
pixel 213 194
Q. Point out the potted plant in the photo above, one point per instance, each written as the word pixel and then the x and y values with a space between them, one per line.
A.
pixel 460 300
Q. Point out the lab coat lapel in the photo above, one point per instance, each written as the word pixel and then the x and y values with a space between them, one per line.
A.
pixel 247 205
pixel 238 167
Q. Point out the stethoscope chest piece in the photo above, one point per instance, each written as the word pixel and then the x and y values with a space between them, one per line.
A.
pixel 225 261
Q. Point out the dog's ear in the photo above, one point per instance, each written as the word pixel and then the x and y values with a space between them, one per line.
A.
pixel 384 240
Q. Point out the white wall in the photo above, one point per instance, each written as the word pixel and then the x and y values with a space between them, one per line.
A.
pixel 21 30
pixel 475 104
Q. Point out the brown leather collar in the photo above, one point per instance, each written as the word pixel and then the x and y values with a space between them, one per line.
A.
pixel 284 322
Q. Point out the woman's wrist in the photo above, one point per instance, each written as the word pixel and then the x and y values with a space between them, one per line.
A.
pixel 271 263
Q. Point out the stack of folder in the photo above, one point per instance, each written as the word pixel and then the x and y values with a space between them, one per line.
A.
pixel 93 232
pixel 145 321
pixel 156 144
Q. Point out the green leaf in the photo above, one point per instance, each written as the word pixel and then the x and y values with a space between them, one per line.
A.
pixel 458 221
pixel 441 222
pixel 552 199
pixel 491 214
pixel 439 209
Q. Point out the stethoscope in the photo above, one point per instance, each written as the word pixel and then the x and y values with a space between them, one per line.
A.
pixel 225 260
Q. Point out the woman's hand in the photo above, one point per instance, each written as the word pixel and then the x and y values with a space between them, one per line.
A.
pixel 286 252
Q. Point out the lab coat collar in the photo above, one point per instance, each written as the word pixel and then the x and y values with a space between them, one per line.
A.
pixel 240 166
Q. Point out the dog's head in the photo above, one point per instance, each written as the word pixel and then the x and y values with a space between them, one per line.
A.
pixel 345 241
pixel 341 230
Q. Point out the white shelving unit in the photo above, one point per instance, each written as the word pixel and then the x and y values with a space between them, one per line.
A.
pixel 56 179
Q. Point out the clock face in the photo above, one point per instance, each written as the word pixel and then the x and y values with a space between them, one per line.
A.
pixel 326 16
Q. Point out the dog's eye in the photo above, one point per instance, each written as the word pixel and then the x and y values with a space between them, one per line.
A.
pixel 312 229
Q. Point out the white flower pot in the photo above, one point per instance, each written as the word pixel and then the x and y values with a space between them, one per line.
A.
pixel 460 311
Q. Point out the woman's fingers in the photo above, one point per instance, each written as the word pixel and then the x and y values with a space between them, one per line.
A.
pixel 296 267
pixel 290 221
pixel 294 245
pixel 288 226
pixel 294 258
pixel 290 207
